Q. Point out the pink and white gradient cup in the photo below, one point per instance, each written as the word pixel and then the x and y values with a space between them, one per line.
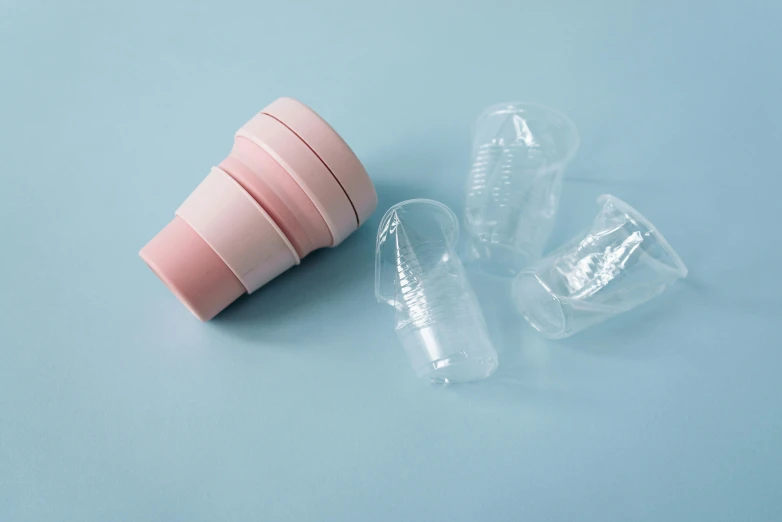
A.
pixel 289 186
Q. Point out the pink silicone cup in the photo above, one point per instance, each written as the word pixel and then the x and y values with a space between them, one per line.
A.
pixel 290 185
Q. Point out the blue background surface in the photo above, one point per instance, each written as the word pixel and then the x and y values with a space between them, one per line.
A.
pixel 297 403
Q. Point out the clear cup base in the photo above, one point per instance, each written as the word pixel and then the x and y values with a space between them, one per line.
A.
pixel 542 310
pixel 457 368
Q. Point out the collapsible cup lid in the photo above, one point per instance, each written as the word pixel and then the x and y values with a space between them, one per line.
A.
pixel 331 149
pixel 307 169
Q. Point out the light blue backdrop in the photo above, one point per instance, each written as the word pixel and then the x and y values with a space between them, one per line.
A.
pixel 298 404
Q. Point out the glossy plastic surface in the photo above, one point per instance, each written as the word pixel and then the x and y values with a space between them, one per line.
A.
pixel 520 151
pixel 620 263
pixel 438 319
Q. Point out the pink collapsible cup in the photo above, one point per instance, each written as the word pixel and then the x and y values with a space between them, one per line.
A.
pixel 289 186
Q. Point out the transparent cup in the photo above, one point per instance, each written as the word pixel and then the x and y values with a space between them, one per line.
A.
pixel 620 263
pixel 520 151
pixel 438 319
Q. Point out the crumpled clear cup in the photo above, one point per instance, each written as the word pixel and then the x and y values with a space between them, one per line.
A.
pixel 620 263
pixel 438 319
pixel 520 151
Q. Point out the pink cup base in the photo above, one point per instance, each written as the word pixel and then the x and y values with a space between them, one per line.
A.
pixel 193 272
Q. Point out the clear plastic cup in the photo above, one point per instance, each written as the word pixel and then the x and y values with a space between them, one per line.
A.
pixel 520 151
pixel 620 263
pixel 438 319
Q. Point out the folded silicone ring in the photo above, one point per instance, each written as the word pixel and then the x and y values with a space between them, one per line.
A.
pixel 331 149
pixel 307 169
pixel 279 194
pixel 238 230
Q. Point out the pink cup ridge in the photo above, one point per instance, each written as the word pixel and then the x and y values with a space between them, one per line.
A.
pixel 238 229
pixel 279 195
pixel 307 169
pixel 324 141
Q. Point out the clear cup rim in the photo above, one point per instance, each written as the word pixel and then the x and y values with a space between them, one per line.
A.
pixel 635 214
pixel 451 236
pixel 515 105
